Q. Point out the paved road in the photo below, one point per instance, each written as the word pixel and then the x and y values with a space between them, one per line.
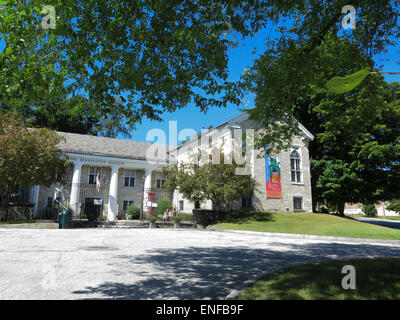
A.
pixel 151 264
pixel 394 224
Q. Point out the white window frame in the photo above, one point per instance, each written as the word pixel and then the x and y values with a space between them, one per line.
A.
pixel 297 169
pixel 160 177
pixel 130 174
pixel 93 171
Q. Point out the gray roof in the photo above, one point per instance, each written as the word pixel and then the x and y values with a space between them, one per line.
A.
pixel 101 146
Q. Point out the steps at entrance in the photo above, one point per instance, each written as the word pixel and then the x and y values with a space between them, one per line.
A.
pixel 124 224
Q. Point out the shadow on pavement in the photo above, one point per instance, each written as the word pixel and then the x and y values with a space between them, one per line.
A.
pixel 211 273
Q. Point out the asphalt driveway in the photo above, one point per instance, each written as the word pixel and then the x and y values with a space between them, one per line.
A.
pixel 151 263
pixel 394 224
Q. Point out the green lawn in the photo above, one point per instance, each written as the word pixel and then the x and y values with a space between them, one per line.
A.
pixel 376 279
pixel 306 223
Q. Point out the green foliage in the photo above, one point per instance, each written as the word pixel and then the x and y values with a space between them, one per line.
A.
pixel 162 205
pixel 319 281
pixel 198 181
pixel 82 216
pixel 133 212
pixel 153 219
pixel 70 211
pixel 27 157
pixel 186 216
pixel 206 217
pixel 394 205
pixel 177 220
pixel 369 210
pixel 156 56
pixel 354 156
pixel 340 85
pixel 305 223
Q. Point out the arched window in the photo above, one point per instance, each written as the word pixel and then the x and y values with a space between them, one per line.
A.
pixel 295 166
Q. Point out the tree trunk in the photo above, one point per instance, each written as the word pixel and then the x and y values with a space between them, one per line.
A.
pixel 341 209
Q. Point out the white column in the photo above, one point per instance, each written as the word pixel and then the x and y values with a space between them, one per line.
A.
pixel 34 198
pixel 146 189
pixel 113 194
pixel 76 180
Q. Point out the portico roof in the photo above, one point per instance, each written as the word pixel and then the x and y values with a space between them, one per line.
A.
pixel 102 146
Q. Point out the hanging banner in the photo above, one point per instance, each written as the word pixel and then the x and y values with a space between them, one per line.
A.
pixel 273 175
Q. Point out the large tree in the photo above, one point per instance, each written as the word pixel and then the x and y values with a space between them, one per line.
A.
pixel 158 55
pixel 27 157
pixel 199 180
pixel 355 155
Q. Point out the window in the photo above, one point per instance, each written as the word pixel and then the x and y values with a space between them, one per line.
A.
pixel 295 167
pixel 247 202
pixel 297 203
pixel 93 171
pixel 127 203
pixel 181 205
pixel 244 148
pixel 130 178
pixel 160 180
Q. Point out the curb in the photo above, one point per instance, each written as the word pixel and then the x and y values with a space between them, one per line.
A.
pixel 310 237
pixel 40 225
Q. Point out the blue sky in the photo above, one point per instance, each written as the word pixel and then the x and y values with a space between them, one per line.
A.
pixel 239 59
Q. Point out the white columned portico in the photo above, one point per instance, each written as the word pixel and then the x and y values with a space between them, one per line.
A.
pixel 113 194
pixel 34 198
pixel 76 179
pixel 146 190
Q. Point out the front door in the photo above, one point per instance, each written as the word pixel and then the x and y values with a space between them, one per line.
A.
pixel 93 208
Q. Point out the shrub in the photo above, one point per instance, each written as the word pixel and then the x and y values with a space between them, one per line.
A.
pixel 162 205
pixel 369 210
pixel 177 220
pixel 82 216
pixel 185 216
pixel 153 219
pixel 394 206
pixel 133 212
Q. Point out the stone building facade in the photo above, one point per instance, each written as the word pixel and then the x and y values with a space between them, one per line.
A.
pixel 106 176
pixel 295 193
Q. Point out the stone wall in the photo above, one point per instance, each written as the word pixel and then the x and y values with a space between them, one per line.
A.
pixel 16 213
